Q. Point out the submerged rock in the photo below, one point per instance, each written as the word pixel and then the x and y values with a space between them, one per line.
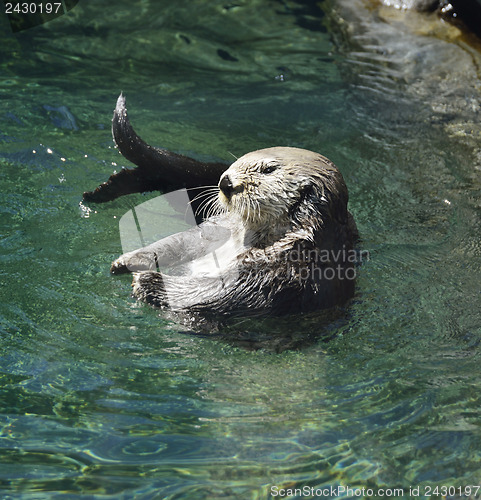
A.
pixel 420 5
pixel 464 13
pixel 404 52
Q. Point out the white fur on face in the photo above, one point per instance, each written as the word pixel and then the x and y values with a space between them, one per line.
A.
pixel 266 196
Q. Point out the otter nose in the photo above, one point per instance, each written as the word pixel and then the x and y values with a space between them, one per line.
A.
pixel 226 186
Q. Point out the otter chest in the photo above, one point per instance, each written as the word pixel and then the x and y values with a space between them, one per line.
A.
pixel 220 259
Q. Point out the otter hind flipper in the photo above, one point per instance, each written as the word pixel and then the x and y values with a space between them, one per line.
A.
pixel 157 169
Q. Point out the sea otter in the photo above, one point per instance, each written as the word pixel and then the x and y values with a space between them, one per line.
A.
pixel 278 231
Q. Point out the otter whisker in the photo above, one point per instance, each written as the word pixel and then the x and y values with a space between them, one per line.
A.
pixel 208 193
pixel 201 200
pixel 210 207
pixel 207 190
pixel 206 204
pixel 204 194
pixel 201 207
pixel 207 186
pixel 217 208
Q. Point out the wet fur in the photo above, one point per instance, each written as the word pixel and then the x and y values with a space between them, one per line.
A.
pixel 301 205
pixel 284 201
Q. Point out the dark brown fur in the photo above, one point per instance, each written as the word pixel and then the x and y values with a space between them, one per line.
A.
pixel 286 211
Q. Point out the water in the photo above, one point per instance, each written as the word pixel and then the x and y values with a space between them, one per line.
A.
pixel 101 397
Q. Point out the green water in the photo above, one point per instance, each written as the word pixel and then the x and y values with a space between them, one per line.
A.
pixel 102 398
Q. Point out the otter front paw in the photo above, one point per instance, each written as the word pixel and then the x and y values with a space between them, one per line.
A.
pixel 119 266
pixel 148 286
pixel 139 261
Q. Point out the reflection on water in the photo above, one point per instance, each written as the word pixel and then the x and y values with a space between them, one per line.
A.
pixel 100 396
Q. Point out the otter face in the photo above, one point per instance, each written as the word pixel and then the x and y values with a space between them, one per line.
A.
pixel 263 186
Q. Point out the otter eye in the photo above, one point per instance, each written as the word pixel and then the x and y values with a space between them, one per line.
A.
pixel 268 169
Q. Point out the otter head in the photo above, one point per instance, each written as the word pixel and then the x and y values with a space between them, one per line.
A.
pixel 283 186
